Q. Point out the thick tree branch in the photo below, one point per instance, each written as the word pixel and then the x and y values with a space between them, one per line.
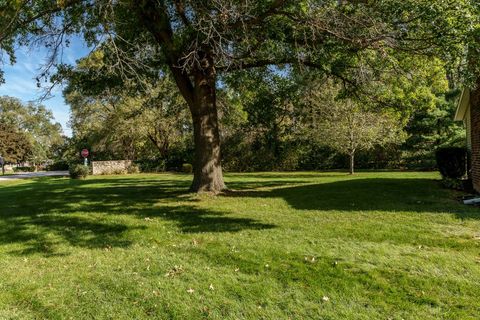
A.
pixel 272 10
pixel 155 18
pixel 180 8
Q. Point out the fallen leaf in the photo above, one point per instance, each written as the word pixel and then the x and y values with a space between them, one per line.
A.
pixel 310 259
pixel 325 299
pixel 190 290
pixel 211 287
pixel 175 271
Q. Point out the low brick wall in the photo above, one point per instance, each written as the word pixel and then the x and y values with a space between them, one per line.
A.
pixel 110 167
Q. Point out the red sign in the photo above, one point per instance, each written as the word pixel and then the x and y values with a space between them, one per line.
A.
pixel 85 153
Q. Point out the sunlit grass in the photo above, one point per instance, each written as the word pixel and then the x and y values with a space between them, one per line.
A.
pixel 278 246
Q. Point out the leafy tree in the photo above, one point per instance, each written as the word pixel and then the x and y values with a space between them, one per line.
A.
pixel 432 128
pixel 348 126
pixel 269 100
pixel 36 124
pixel 15 146
pixel 198 40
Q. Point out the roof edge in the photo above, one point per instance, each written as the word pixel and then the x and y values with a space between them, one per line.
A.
pixel 462 105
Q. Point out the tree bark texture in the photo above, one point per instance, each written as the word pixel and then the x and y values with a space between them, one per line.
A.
pixel 352 163
pixel 207 169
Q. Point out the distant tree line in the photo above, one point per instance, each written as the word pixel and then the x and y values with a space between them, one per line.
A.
pixel 273 119
pixel 28 132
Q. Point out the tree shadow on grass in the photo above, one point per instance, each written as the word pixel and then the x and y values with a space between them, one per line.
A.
pixel 45 213
pixel 43 233
pixel 379 194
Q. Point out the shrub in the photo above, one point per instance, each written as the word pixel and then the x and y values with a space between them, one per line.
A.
pixel 458 184
pixel 60 165
pixel 451 183
pixel 23 169
pixel 177 157
pixel 452 162
pixel 78 171
pixel 133 169
pixel 151 165
pixel 187 168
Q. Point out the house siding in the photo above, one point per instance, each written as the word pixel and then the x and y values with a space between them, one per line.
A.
pixel 475 137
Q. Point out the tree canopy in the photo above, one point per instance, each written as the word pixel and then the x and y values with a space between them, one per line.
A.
pixel 32 126
pixel 198 42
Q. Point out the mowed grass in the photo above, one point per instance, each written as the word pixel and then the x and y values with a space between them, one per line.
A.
pixel 280 246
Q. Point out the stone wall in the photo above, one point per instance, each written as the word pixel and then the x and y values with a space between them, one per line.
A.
pixel 110 167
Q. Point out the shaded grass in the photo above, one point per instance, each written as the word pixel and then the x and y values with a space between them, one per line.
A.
pixel 378 245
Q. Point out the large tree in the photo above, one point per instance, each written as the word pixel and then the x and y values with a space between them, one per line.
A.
pixel 35 123
pixel 15 146
pixel 200 39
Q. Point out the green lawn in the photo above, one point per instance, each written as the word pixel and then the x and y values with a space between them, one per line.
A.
pixel 281 246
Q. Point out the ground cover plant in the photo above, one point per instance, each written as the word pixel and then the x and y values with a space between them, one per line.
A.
pixel 279 246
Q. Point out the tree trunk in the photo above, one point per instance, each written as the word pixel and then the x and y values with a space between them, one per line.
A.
pixel 207 168
pixel 352 163
pixel 199 95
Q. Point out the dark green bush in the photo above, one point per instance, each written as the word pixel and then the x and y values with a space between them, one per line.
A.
pixel 452 162
pixel 151 166
pixel 78 171
pixel 60 165
pixel 458 184
pixel 187 168
pixel 23 169
pixel 452 183
pixel 177 157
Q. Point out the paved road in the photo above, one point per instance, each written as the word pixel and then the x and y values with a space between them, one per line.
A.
pixel 26 175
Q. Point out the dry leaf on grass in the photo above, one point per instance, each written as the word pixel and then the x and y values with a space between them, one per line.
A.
pixel 175 271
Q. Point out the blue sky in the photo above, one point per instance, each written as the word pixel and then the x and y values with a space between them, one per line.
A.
pixel 20 78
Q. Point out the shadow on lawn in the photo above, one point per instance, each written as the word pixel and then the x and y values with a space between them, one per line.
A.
pixel 42 214
pixel 359 194
pixel 47 212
